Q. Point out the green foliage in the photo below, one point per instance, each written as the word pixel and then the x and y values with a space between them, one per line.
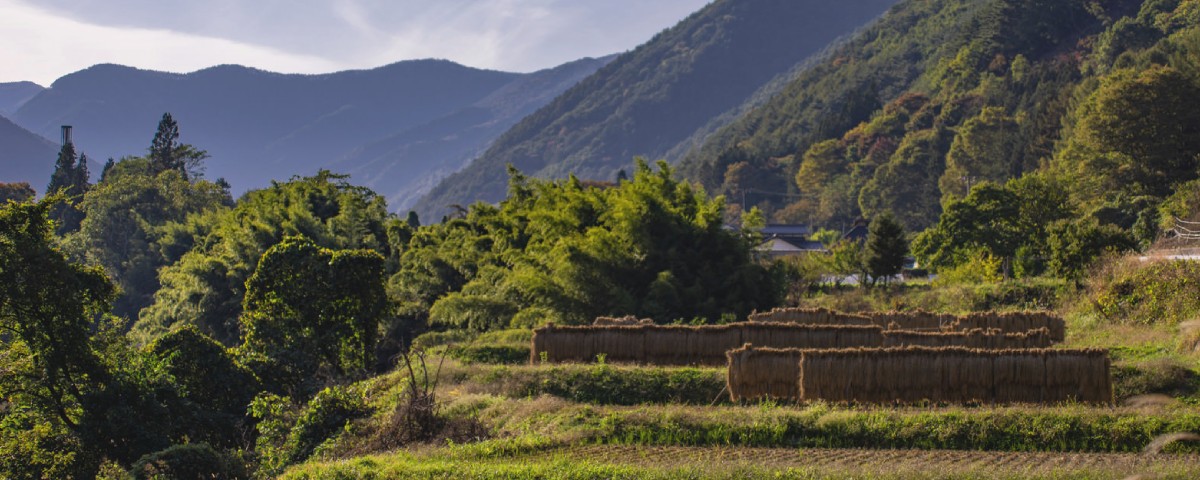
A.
pixel 206 286
pixel 985 222
pixel 982 267
pixel 288 435
pixel 123 230
pixel 312 312
pixel 194 460
pixel 886 248
pixel 70 178
pixel 1075 245
pixel 46 307
pixel 214 389
pixel 607 384
pixel 1136 134
pixel 16 192
pixel 1155 292
pixel 559 251
pixel 491 354
pixel 970 91
pixel 166 153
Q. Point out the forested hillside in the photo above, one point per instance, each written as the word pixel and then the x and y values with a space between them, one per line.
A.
pixel 651 99
pixel 934 98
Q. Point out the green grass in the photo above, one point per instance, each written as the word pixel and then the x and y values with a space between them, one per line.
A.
pixel 1014 429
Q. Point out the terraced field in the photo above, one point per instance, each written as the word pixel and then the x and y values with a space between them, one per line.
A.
pixel 901 463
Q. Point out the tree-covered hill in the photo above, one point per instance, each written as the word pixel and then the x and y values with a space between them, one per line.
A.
pixel 26 156
pixel 934 98
pixel 396 127
pixel 653 98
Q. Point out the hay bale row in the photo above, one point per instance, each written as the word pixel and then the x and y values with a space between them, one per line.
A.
pixel 706 345
pixel 976 338
pixel 1014 322
pixel 688 345
pixel 914 374
pixel 1007 322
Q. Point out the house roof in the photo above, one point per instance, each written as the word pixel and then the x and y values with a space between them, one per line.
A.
pixel 781 246
pixel 786 230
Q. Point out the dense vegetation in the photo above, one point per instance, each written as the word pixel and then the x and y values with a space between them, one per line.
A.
pixel 156 326
pixel 1075 131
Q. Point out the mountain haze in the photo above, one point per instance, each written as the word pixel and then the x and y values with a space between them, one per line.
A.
pixel 15 94
pixel 400 165
pixel 25 156
pixel 389 126
pixel 656 96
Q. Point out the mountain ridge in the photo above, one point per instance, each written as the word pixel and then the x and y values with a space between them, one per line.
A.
pixel 260 126
pixel 657 95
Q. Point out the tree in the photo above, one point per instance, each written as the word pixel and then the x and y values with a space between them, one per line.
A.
pixel 46 308
pixel 1137 133
pixel 218 251
pixel 166 153
pixel 985 149
pixel 312 312
pixel 70 178
pixel 16 192
pixel 987 220
pixel 125 218
pixel 885 249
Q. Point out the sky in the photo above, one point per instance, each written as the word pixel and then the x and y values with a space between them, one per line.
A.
pixel 46 39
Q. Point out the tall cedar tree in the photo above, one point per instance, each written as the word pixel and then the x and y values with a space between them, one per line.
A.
pixel 166 153
pixel 886 248
pixel 70 178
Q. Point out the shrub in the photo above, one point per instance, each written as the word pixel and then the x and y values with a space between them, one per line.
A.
pixel 1153 292
pixel 1160 376
pixel 196 460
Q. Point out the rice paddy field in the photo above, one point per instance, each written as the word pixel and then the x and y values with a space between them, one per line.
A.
pixel 517 414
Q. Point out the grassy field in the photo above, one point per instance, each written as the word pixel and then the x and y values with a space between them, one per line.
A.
pixel 601 420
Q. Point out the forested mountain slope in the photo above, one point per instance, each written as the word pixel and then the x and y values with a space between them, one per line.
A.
pixel 935 97
pixel 656 96
pixel 406 165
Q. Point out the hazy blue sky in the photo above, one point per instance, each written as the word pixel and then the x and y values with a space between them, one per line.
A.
pixel 45 39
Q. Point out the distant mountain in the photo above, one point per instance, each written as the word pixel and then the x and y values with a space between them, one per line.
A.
pixel 400 165
pixel 24 156
pixel 259 126
pixel 13 95
pixel 653 98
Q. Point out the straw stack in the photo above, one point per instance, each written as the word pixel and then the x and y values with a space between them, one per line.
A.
pixel 915 374
pixel 1006 322
pixel 763 373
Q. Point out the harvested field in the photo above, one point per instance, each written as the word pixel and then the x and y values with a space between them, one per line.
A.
pixel 915 374
pixel 1007 322
pixel 904 463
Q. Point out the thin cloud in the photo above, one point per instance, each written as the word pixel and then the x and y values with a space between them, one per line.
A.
pixel 60 36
